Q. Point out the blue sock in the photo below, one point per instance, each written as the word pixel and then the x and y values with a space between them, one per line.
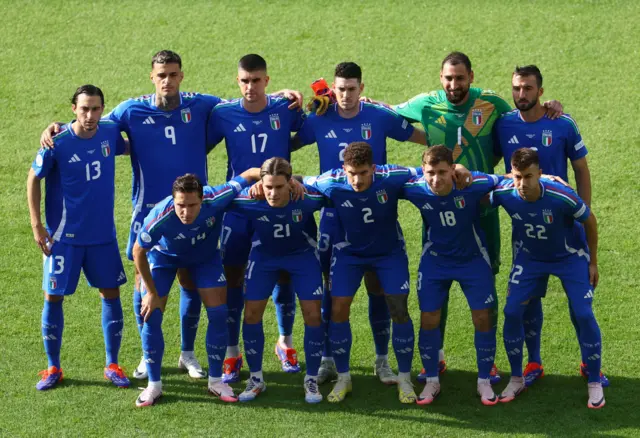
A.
pixel 153 344
pixel 253 336
pixel 590 339
pixel 216 338
pixel 137 304
pixel 313 346
pixel 533 318
pixel 576 326
pixel 485 343
pixel 285 302
pixel 190 305
pixel 380 321
pixel 52 326
pixel 235 304
pixel 341 338
pixel 403 341
pixel 513 334
pixel 428 344
pixel 326 318
pixel 112 325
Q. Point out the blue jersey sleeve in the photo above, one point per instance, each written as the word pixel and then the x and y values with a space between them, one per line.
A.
pixel 575 148
pixel 574 205
pixel 120 114
pixel 314 198
pixel 211 100
pixel 495 136
pixel 484 182
pixel 398 127
pixel 221 196
pixel 324 183
pixel 502 189
pixel 44 162
pixel 297 119
pixel 120 145
pixel 244 204
pixel 306 133
pixel 215 132
pixel 152 228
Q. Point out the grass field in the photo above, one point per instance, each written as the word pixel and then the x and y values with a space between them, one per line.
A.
pixel 588 53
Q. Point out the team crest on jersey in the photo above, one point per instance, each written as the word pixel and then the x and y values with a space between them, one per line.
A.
pixel 106 149
pixel 365 130
pixel 382 196
pixel 297 215
pixel 547 138
pixel 547 215
pixel 211 221
pixel 186 115
pixel 476 117
pixel 274 119
pixel 459 201
pixel 53 282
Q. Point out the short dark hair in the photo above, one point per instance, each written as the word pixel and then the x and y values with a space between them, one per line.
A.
pixel 455 58
pixel 348 70
pixel 276 166
pixel 437 154
pixel 89 90
pixel 188 183
pixel 252 62
pixel 523 158
pixel 357 154
pixel 166 57
pixel 529 70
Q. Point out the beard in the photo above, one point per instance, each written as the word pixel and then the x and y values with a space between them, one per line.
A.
pixel 459 96
pixel 525 106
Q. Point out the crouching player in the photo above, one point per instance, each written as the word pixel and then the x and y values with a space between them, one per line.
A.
pixel 281 245
pixel 544 217
pixel 366 201
pixel 80 231
pixel 182 231
pixel 455 250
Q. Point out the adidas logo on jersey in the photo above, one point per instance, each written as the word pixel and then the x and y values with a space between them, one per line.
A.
pixel 346 204
pixel 516 216
pixel 239 128
pixel 179 237
pixel 222 278
pixel 263 219
pixel 331 134
pixel 75 159
pixel 405 286
pixel 489 300
pixel 149 121
pixel 121 277
pixel 427 206
pixel 513 140
pixel 589 295
pixel 317 291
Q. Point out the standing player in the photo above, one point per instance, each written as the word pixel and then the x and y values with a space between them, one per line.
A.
pixel 455 251
pixel 80 233
pixel 281 244
pixel 167 132
pixel 182 231
pixel 545 216
pixel 255 128
pixel 347 121
pixel 556 141
pixel 366 201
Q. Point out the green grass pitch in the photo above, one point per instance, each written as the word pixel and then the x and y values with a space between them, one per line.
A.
pixel 588 53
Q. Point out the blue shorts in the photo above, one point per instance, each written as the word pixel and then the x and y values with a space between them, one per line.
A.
pixel 137 219
pixel 436 273
pixel 263 271
pixel 101 265
pixel 348 269
pixel 207 274
pixel 527 275
pixel 235 239
pixel 329 235
pixel 543 282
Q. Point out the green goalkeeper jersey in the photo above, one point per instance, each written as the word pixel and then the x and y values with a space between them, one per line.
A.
pixel 465 129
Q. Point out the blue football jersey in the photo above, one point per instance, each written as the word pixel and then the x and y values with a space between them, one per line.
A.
pixel 80 184
pixel 252 138
pixel 198 241
pixel 453 229
pixel 369 219
pixel 280 231
pixel 333 133
pixel 164 144
pixel 548 228
pixel 554 140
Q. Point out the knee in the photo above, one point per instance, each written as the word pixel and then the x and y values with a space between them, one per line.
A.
pixel 234 275
pixel 372 284
pixel 398 308
pixel 340 311
pixel 482 320
pixel 430 320
pixel 53 298
pixel 312 317
pixel 514 311
pixel 252 315
pixel 111 293
pixel 583 313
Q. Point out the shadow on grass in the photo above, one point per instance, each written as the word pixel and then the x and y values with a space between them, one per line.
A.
pixel 554 405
